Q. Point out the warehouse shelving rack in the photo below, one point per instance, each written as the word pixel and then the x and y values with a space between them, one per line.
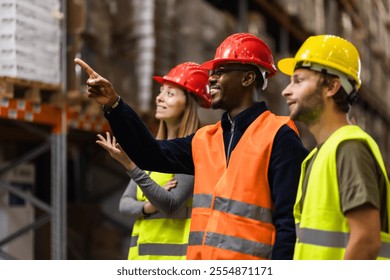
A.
pixel 18 104
pixel 31 114
pixel 33 104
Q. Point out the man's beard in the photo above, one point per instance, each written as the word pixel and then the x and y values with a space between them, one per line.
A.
pixel 310 109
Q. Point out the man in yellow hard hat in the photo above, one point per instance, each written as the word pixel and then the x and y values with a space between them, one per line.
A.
pixel 343 201
pixel 246 166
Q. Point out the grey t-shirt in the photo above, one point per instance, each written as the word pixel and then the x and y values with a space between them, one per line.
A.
pixel 165 201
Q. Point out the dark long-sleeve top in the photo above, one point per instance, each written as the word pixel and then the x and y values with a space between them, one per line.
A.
pixel 175 156
pixel 168 202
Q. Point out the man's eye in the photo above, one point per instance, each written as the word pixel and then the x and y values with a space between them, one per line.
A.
pixel 217 72
pixel 297 81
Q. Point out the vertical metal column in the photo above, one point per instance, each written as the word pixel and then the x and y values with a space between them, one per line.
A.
pixel 58 164
pixel 243 16
pixel 332 11
pixel 58 197
pixel 145 47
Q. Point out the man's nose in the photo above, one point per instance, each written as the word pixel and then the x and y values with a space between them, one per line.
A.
pixel 286 91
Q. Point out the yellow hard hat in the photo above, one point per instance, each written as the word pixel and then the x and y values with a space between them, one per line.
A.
pixel 326 52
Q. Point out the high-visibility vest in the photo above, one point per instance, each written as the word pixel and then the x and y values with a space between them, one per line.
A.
pixel 232 206
pixel 322 228
pixel 160 236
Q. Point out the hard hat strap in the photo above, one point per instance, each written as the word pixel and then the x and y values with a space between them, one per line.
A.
pixel 345 81
pixel 265 80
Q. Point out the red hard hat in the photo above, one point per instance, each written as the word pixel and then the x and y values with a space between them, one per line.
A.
pixel 192 77
pixel 244 48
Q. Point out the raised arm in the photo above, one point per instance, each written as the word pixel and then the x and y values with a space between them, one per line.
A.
pixel 171 156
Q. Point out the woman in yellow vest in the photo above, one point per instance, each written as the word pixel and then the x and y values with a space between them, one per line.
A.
pixel 342 209
pixel 160 202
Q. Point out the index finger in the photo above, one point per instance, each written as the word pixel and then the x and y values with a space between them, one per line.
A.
pixel 91 73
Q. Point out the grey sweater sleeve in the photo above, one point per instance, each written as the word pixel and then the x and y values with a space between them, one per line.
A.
pixel 129 203
pixel 167 202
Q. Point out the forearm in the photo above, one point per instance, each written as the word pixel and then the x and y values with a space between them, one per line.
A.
pixel 364 239
pixel 361 249
pixel 131 208
pixel 166 201
pixel 141 146
pixel 129 204
pixel 134 137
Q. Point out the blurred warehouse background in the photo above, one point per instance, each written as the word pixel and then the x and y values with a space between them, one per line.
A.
pixel 59 191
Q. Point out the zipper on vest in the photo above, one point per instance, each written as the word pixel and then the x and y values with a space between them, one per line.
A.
pixel 232 123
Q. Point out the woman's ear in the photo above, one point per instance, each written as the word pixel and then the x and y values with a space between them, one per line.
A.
pixel 248 78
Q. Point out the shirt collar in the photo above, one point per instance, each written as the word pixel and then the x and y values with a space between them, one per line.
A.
pixel 245 118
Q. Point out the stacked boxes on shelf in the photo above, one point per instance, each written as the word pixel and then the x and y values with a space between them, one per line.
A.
pixel 30 35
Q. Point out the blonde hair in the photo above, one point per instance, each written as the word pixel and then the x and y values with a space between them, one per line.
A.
pixel 189 121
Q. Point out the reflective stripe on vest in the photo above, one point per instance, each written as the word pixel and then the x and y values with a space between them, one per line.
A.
pixel 332 239
pixel 233 207
pixel 231 243
pixel 159 249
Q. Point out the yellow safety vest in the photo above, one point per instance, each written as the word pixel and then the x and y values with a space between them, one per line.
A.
pixel 322 228
pixel 160 236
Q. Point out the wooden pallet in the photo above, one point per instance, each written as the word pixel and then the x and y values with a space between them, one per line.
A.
pixel 44 103
pixel 33 91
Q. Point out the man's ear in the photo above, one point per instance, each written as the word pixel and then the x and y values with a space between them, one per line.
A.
pixel 333 87
pixel 248 78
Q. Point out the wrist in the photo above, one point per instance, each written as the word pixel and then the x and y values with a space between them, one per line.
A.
pixel 111 105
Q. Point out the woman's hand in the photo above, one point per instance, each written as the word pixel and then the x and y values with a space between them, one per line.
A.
pixel 149 208
pixel 170 184
pixel 115 150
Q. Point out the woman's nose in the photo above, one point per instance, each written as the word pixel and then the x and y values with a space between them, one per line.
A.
pixel 159 97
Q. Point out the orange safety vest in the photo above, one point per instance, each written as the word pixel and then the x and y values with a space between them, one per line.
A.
pixel 232 206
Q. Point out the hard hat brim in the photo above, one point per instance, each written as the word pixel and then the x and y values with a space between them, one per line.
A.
pixel 287 65
pixel 209 65
pixel 159 79
pixel 201 100
pixel 162 80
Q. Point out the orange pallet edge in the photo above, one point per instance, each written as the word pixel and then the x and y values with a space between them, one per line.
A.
pixel 51 115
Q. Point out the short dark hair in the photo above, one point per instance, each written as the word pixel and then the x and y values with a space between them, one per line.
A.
pixel 259 76
pixel 341 98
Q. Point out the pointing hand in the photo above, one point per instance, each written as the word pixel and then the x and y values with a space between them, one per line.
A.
pixel 98 88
